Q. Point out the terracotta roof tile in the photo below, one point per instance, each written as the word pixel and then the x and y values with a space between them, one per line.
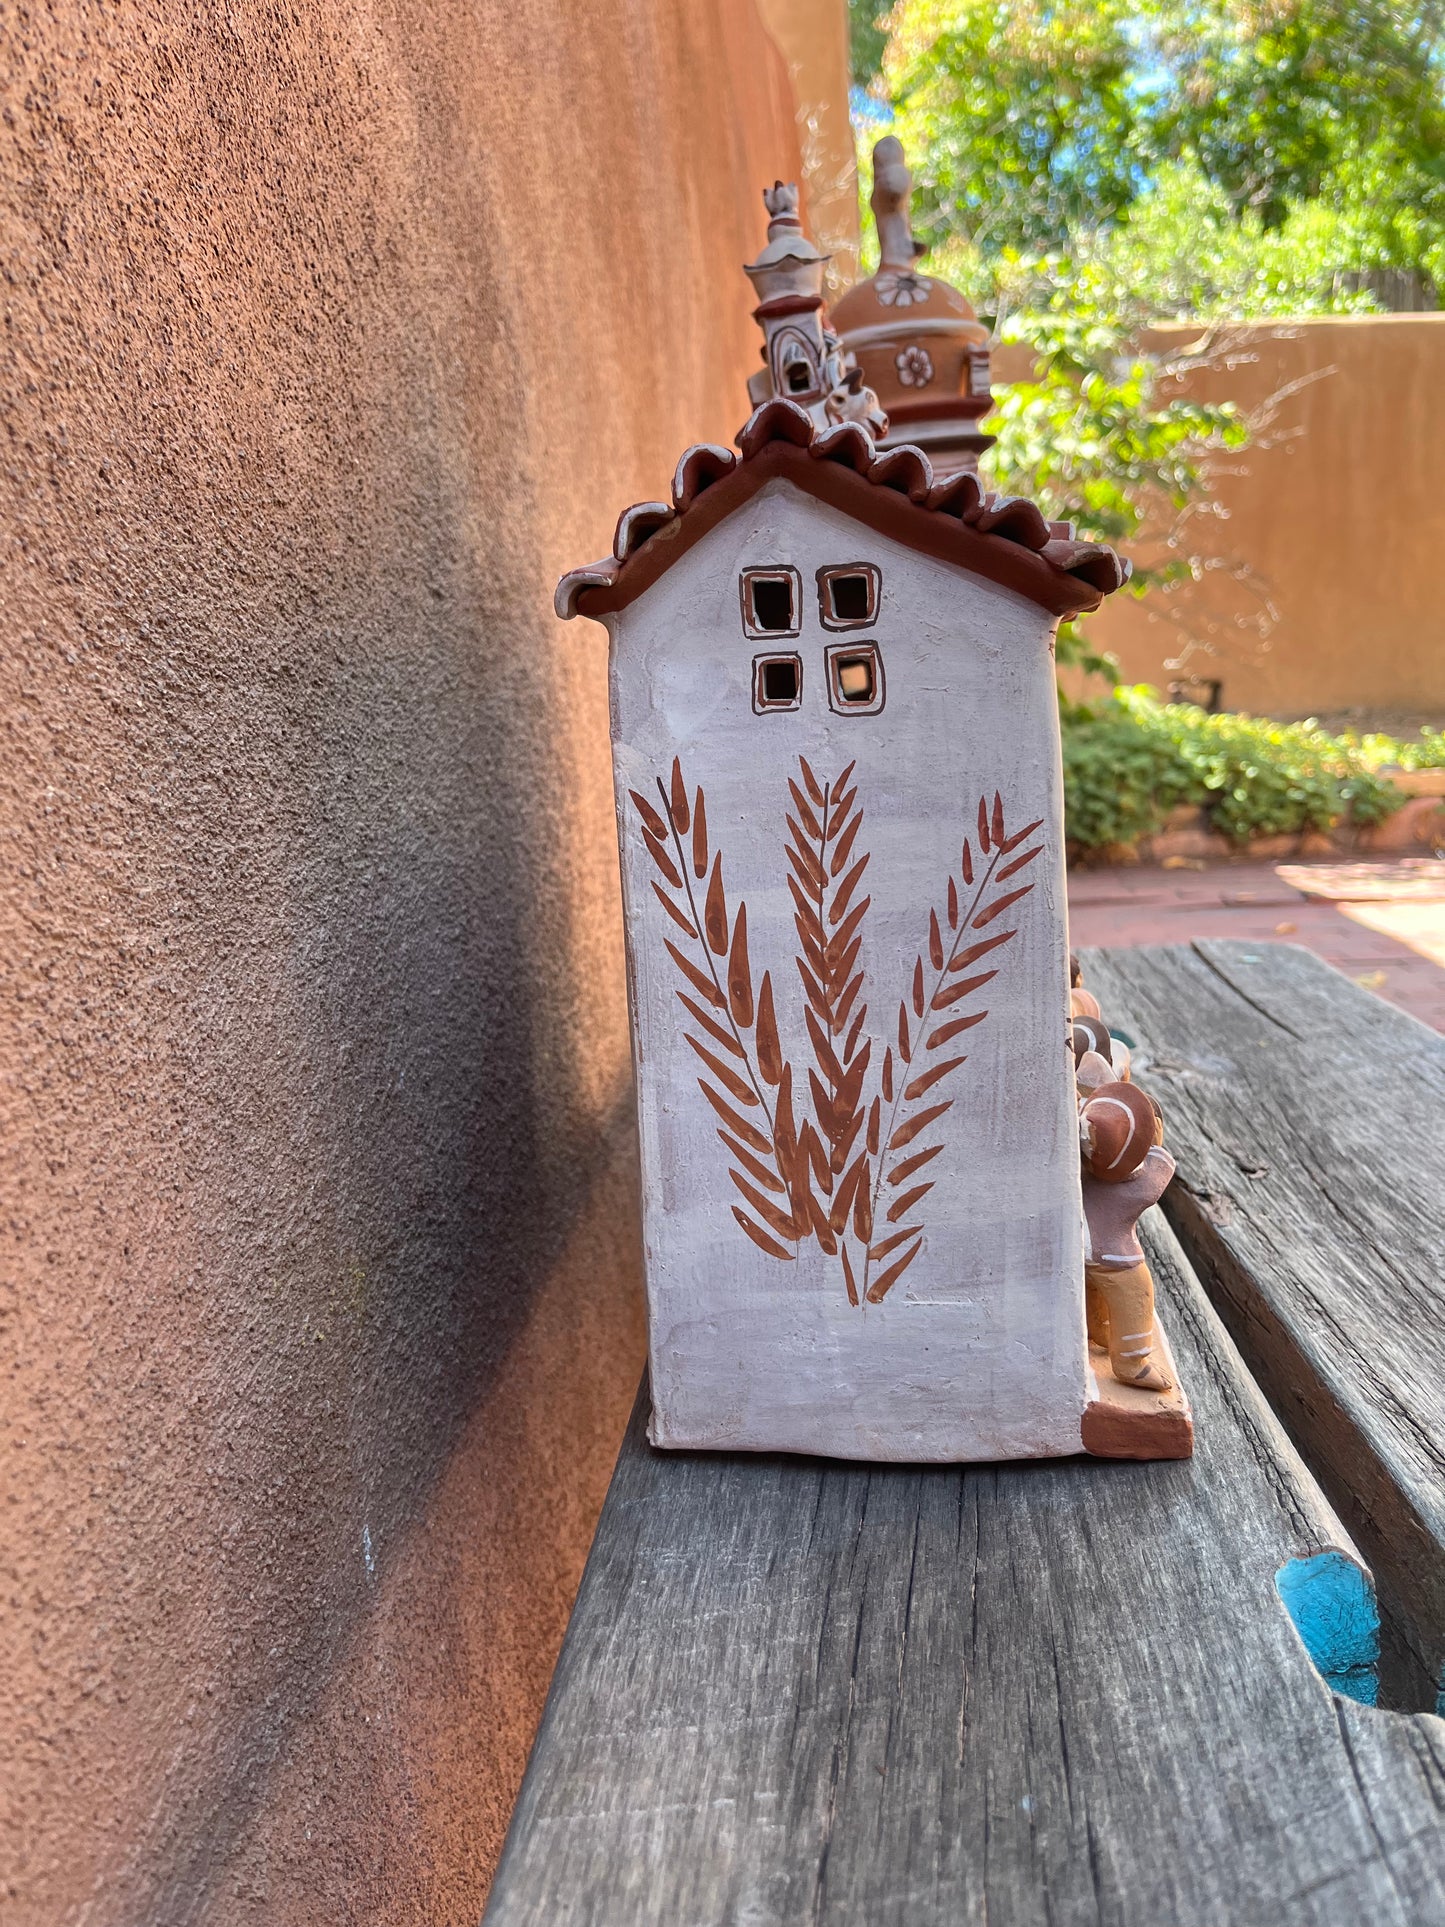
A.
pixel 1003 537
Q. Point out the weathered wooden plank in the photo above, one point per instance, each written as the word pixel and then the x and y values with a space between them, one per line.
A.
pixel 1308 1119
pixel 796 1691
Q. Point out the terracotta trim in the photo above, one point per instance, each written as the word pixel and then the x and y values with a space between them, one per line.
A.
pixel 781 305
pixel 944 408
pixel 881 334
pixel 884 509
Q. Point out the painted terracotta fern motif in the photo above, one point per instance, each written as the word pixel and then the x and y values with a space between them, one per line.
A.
pixel 932 1017
pixel 735 1035
pixel 827 869
pixel 851 1174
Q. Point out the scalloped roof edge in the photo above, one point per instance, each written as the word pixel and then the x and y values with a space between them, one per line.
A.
pixel 1004 538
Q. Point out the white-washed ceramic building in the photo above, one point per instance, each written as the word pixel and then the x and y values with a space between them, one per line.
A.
pixel 839 808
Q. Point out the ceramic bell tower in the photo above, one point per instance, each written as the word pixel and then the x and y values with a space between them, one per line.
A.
pixel 803 360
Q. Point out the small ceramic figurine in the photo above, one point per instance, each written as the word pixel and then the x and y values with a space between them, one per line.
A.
pixel 1126 1169
pixel 1082 1003
pixel 1098 1057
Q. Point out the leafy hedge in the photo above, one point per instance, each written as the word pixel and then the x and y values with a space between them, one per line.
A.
pixel 1130 760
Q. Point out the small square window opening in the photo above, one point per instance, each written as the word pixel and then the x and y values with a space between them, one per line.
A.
pixel 855 679
pixel 848 595
pixel 771 602
pixel 777 682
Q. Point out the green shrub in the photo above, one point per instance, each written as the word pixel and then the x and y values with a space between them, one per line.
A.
pixel 1132 759
pixel 1381 752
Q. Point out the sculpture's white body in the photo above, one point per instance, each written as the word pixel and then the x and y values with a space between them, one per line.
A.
pixel 977 1351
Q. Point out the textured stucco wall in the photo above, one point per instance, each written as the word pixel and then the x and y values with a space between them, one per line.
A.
pixel 1339 516
pixel 331 335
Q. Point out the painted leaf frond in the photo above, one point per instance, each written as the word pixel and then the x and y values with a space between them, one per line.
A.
pixel 749 1133
pixel 740 975
pixel 681 816
pixel 735 1087
pixel 838 908
pixel 928 1079
pixel 1021 836
pixel 945 1031
pixel 915 1163
pixel 770 1051
pixel 885 1245
pixel 699 836
pixel 715 911
pixel 901 1207
pixel 662 858
pixel 998 906
pixel 843 849
pixel 776 1220
pixel 805 812
pixel 650 817
pixel 974 951
pixel 672 910
pixel 710 1024
pixel 852 1040
pixel 751 1163
pixel 885 1281
pixel 700 981
pixel 1019 863
pixel 848 1279
pixel 906 1132
pixel 760 1237
pixel 950 993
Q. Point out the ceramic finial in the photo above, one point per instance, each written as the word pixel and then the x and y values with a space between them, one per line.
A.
pixel 781 201
pixel 891 203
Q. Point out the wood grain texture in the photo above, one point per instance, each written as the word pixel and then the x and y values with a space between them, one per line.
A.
pixel 796 1691
pixel 1308 1120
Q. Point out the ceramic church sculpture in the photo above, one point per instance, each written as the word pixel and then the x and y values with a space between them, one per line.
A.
pixel 837 774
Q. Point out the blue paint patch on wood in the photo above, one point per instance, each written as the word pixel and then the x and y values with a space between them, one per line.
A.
pixel 1331 1602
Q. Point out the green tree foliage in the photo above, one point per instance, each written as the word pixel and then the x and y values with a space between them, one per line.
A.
pixel 868 39
pixel 1048 127
pixel 1085 167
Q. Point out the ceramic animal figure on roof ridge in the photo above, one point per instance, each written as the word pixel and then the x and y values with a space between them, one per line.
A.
pixel 837 768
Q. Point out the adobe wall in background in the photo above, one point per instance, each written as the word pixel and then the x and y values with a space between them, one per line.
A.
pixel 331 336
pixel 1341 521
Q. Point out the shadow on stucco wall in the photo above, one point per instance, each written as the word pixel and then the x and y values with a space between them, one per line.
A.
pixel 331 339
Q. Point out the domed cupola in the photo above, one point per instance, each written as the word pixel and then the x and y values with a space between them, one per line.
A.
pixel 920 346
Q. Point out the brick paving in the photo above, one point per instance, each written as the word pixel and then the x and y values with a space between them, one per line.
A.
pixel 1395 948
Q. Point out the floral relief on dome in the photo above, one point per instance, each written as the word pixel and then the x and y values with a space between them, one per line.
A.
pixel 914 366
pixel 901 287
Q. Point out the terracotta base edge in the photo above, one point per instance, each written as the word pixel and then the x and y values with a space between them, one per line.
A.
pixel 1126 1422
